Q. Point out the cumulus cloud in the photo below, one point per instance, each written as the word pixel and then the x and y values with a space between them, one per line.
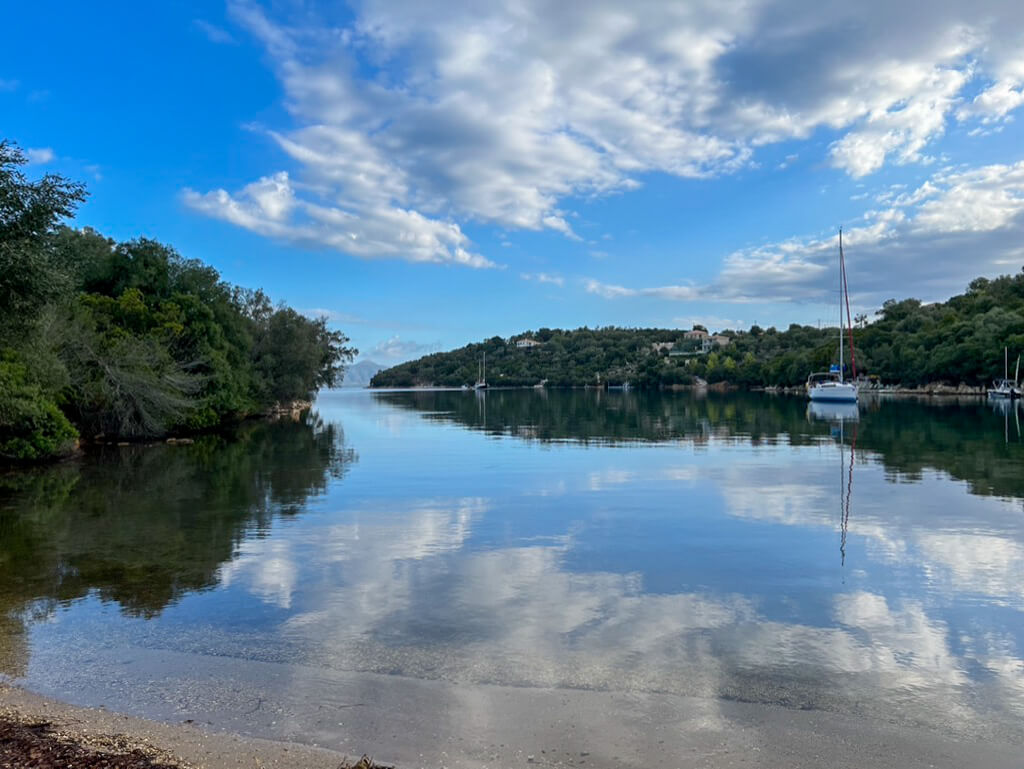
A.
pixel 543 277
pixel 995 102
pixel 270 207
pixel 410 119
pixel 971 221
pixel 40 155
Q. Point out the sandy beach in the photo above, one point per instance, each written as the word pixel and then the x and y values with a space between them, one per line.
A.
pixel 543 728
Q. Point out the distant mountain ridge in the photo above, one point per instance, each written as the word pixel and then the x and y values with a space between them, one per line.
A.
pixel 359 374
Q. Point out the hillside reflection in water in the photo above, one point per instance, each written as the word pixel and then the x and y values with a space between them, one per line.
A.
pixel 726 547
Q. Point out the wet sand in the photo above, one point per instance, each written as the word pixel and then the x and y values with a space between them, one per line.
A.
pixel 510 726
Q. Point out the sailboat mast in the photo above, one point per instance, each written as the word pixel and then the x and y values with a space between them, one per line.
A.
pixel 840 304
pixel 1006 363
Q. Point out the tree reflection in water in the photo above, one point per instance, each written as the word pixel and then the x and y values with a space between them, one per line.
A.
pixel 143 526
pixel 908 436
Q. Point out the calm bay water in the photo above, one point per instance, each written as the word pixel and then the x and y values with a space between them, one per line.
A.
pixel 718 549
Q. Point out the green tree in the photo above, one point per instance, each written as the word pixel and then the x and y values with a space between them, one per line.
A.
pixel 31 272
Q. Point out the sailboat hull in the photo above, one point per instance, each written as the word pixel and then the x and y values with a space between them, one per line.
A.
pixel 833 392
pixel 1005 393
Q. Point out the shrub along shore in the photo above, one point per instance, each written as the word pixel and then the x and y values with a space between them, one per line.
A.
pixel 131 341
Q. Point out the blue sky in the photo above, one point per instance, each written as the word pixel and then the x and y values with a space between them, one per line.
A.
pixel 432 174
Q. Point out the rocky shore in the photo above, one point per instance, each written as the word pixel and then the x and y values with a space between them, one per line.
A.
pixel 39 733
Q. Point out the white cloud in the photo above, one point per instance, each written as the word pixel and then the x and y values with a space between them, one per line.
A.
pixel 40 155
pixel 956 212
pixel 611 291
pixel 790 159
pixel 920 99
pixel 543 277
pixel 979 212
pixel 270 207
pixel 214 33
pixel 334 316
pixel 498 114
pixel 395 349
pixel 995 102
pixel 711 322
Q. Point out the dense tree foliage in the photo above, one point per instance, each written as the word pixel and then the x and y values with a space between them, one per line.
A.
pixel 563 359
pixel 960 341
pixel 131 340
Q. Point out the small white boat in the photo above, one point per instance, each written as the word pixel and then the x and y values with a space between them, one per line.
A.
pixel 829 385
pixel 1006 388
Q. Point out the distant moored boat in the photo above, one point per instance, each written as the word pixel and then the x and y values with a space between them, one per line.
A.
pixel 829 385
pixel 481 383
pixel 1006 387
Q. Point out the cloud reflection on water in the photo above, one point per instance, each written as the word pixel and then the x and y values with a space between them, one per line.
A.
pixel 416 598
pixel 704 564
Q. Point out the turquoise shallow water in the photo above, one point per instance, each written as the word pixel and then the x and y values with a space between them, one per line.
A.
pixel 730 547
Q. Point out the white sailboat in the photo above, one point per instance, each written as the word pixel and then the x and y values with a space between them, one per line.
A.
pixel 1006 387
pixel 829 385
pixel 481 383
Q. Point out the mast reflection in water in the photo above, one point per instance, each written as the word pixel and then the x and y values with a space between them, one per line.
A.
pixel 659 546
pixel 840 415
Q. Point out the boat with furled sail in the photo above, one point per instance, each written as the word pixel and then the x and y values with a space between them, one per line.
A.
pixel 830 385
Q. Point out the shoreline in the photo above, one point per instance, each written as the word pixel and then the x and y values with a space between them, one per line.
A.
pixel 928 391
pixel 182 746
pixel 82 445
pixel 558 728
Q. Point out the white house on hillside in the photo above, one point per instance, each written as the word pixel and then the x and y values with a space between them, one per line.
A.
pixel 527 342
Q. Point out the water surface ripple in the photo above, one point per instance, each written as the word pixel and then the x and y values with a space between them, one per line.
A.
pixel 731 547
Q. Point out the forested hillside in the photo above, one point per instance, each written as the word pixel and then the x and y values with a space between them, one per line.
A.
pixel 908 343
pixel 131 340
